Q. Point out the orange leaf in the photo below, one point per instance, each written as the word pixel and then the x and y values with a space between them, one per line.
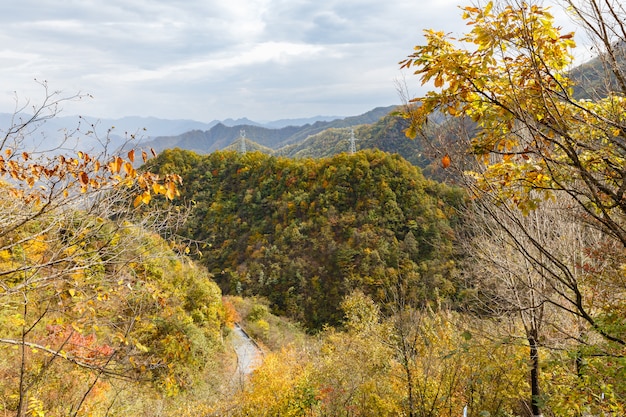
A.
pixel 116 165
pixel 143 198
pixel 131 155
pixel 128 168
pixel 84 178
pixel 144 156
pixel 445 161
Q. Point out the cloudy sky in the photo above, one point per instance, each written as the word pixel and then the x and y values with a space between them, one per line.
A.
pixel 214 59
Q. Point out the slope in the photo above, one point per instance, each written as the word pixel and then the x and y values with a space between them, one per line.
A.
pixel 305 232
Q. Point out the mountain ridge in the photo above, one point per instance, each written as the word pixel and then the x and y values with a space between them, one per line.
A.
pixel 221 136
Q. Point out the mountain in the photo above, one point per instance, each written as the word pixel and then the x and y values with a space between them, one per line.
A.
pixel 88 132
pixel 277 124
pixel 595 78
pixel 142 126
pixel 386 134
pixel 221 135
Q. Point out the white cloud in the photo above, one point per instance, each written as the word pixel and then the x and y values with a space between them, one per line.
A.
pixel 207 59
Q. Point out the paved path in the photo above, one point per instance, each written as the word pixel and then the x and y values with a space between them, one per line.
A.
pixel 249 356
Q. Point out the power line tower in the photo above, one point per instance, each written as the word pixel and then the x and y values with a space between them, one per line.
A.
pixel 352 142
pixel 242 141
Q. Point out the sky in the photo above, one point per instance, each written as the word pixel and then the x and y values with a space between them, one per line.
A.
pixel 214 59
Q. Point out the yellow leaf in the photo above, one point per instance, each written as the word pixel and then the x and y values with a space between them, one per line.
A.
pixel 158 189
pixel 488 8
pixel 128 168
pixel 116 165
pixel 171 191
pixel 72 292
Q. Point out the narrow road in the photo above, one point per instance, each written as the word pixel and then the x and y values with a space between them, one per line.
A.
pixel 249 356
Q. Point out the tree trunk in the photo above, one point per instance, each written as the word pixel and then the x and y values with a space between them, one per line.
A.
pixel 535 403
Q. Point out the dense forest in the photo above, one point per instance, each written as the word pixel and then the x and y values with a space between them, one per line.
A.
pixel 306 232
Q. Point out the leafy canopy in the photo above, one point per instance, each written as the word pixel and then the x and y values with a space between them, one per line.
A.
pixel 509 75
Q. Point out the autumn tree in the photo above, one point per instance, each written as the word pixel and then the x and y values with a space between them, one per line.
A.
pixel 536 269
pixel 82 295
pixel 531 133
pixel 537 132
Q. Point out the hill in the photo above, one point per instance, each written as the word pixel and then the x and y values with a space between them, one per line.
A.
pixel 385 134
pixel 594 79
pixel 305 232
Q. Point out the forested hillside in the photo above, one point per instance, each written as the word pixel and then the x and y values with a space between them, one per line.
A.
pixel 386 134
pixel 98 314
pixel 306 232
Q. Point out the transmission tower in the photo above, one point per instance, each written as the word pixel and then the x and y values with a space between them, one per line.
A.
pixel 242 141
pixel 352 142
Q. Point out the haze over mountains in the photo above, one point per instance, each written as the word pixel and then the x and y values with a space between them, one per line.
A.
pixel 86 132
pixel 259 137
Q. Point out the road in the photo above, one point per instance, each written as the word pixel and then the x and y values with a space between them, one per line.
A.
pixel 249 356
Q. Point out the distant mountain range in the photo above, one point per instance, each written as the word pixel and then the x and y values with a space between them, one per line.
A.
pixel 221 136
pixel 316 137
pixel 86 132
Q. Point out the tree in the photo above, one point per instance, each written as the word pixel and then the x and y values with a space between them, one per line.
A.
pixel 533 137
pixel 507 84
pixel 531 133
pixel 75 259
pixel 535 269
